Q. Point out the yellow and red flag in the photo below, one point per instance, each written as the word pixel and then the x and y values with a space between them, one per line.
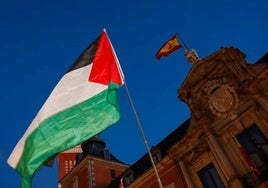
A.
pixel 170 46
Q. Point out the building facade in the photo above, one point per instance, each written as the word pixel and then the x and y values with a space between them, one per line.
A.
pixel 67 160
pixel 91 167
pixel 224 142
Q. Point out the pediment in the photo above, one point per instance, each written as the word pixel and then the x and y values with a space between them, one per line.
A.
pixel 197 72
pixel 210 87
pixel 206 67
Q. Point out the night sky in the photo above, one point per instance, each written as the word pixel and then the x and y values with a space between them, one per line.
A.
pixel 41 39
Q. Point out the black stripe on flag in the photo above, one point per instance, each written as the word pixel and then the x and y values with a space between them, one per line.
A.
pixel 86 57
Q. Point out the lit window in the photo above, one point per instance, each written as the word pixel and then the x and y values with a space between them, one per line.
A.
pixel 210 177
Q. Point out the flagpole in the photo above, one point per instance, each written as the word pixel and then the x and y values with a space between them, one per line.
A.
pixel 143 136
pixel 183 43
pixel 138 120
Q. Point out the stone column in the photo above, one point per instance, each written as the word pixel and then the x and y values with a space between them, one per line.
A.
pixel 263 101
pixel 186 175
pixel 221 157
pixel 226 166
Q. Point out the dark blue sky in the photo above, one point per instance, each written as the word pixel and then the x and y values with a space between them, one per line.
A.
pixel 40 40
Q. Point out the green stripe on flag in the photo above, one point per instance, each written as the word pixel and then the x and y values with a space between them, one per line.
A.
pixel 67 129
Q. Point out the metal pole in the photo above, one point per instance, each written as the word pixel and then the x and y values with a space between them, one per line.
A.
pixel 183 43
pixel 143 136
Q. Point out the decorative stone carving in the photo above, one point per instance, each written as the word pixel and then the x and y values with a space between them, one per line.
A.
pixel 191 56
pixel 222 98
pixel 196 154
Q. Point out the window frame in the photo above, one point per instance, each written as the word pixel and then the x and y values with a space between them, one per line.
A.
pixel 213 174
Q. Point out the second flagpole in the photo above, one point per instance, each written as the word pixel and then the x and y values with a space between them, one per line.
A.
pixel 143 136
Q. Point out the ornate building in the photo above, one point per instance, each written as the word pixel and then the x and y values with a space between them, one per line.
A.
pixel 90 165
pixel 224 142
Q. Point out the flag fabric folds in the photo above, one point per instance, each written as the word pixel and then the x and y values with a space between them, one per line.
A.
pixel 249 161
pixel 170 46
pixel 83 103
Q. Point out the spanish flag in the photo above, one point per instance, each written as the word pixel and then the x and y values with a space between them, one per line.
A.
pixel 170 46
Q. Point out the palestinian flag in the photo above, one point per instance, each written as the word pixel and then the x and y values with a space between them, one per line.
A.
pixel 82 104
pixel 170 46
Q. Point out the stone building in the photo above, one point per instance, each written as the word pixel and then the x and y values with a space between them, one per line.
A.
pixel 224 142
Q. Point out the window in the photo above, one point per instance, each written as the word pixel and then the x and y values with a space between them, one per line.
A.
pixel 256 146
pixel 129 176
pixel 156 154
pixel 129 179
pixel 112 173
pixel 75 182
pixel 97 149
pixel 106 153
pixel 210 177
